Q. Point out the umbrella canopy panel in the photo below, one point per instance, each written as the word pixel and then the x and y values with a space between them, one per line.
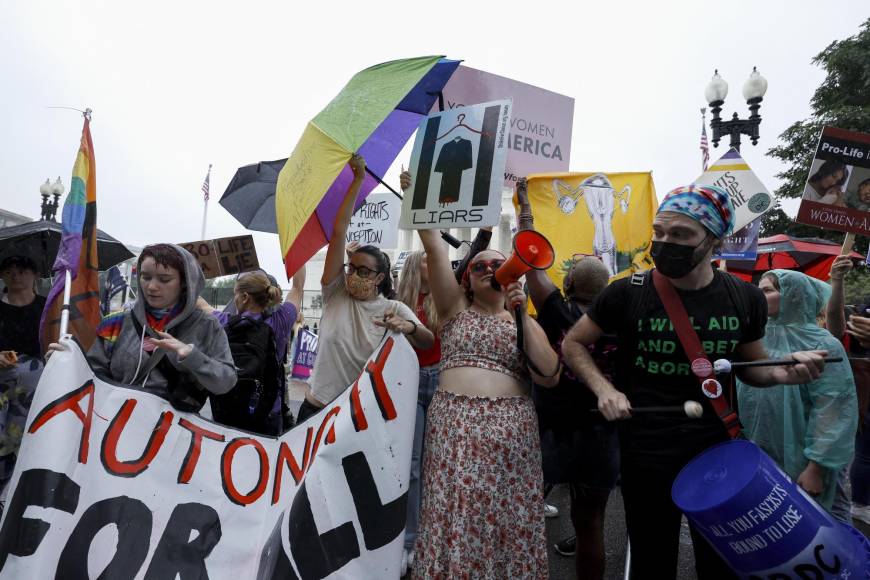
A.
pixel 812 256
pixel 250 196
pixel 40 240
pixel 375 114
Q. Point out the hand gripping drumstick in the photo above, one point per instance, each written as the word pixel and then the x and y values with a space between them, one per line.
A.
pixel 725 366
pixel 692 409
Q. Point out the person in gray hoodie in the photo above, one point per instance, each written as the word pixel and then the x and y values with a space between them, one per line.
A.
pixel 164 344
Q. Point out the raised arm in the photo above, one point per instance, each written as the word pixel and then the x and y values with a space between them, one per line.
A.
pixel 297 290
pixel 333 265
pixel 446 293
pixel 835 312
pixel 540 285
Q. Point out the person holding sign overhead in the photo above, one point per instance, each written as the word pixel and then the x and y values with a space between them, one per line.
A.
pixel 357 307
pixel 482 480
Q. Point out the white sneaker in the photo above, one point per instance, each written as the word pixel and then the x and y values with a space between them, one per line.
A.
pixel 550 511
pixel 861 512
pixel 406 561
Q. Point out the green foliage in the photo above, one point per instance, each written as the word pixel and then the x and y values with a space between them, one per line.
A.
pixel 857 284
pixel 843 101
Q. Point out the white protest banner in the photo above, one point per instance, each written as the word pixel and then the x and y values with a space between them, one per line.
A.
pixel 376 221
pixel 750 197
pixel 113 482
pixel 539 140
pixel 837 194
pixel 457 166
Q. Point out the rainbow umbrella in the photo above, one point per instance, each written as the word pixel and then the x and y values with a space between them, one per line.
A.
pixel 374 115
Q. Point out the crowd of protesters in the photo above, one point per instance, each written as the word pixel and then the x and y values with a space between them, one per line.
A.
pixel 497 418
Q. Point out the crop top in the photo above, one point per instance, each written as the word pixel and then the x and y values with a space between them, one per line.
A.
pixel 472 339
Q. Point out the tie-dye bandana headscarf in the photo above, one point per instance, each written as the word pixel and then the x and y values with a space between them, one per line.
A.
pixel 707 204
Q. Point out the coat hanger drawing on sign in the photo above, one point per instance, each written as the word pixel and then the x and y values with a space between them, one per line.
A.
pixel 460 122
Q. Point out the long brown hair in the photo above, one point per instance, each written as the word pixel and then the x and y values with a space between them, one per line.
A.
pixel 409 286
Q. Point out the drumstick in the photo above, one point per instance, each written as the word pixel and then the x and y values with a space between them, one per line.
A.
pixel 724 366
pixel 691 409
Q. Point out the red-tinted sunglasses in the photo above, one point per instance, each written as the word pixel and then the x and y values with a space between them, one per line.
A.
pixel 482 266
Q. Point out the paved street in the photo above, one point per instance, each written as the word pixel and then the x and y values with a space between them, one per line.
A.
pixel 562 568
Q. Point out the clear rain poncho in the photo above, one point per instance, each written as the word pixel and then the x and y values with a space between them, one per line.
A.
pixel 814 421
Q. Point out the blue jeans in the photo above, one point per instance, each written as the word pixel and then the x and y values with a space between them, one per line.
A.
pixel 428 384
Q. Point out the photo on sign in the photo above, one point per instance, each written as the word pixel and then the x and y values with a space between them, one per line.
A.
pixel 457 168
pixel 837 193
pixel 827 182
pixel 858 189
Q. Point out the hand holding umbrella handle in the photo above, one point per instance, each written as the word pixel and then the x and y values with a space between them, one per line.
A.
pixel 358 166
pixel 725 366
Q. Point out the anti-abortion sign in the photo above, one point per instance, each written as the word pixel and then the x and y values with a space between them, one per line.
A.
pixel 750 197
pixel 540 127
pixel 224 256
pixel 837 194
pixel 113 482
pixel 457 166
pixel 304 355
pixel 376 221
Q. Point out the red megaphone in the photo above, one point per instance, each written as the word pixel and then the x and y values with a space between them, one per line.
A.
pixel 532 251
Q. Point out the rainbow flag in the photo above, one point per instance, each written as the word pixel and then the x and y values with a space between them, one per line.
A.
pixel 77 254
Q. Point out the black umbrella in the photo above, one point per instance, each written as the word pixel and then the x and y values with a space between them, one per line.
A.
pixel 40 240
pixel 250 196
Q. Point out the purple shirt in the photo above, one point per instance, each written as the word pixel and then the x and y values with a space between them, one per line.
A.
pixel 281 321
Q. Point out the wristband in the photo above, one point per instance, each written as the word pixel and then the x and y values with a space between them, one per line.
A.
pixel 413 330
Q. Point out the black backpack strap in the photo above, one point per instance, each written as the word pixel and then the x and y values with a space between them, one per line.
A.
pixel 638 290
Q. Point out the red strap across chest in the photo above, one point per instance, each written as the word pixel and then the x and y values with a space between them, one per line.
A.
pixel 701 366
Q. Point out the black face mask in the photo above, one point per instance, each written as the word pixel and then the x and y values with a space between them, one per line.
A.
pixel 677 260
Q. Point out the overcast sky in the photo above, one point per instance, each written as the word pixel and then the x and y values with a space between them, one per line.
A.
pixel 177 85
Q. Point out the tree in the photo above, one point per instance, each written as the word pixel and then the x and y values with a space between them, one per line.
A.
pixel 843 101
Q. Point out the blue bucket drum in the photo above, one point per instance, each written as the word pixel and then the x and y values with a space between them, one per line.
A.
pixel 761 523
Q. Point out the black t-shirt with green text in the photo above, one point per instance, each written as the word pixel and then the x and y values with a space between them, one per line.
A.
pixel 653 368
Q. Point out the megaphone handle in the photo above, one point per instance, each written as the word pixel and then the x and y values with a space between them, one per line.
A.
pixel 518 316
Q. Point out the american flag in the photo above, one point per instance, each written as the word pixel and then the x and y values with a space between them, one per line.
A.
pixel 205 184
pixel 705 148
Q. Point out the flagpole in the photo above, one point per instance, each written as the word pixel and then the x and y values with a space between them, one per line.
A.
pixel 204 218
pixel 205 188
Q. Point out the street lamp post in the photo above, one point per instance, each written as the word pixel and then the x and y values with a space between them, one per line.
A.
pixel 49 208
pixel 753 91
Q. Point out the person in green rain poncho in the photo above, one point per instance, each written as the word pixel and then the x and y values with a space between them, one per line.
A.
pixel 808 429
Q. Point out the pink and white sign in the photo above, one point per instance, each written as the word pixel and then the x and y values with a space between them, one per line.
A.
pixel 539 140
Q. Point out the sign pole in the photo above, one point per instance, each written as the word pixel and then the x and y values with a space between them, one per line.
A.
pixel 848 244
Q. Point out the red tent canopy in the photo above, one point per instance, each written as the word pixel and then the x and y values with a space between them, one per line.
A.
pixel 812 256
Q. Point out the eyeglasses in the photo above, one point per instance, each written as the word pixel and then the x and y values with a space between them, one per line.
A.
pixel 482 266
pixel 577 257
pixel 360 271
